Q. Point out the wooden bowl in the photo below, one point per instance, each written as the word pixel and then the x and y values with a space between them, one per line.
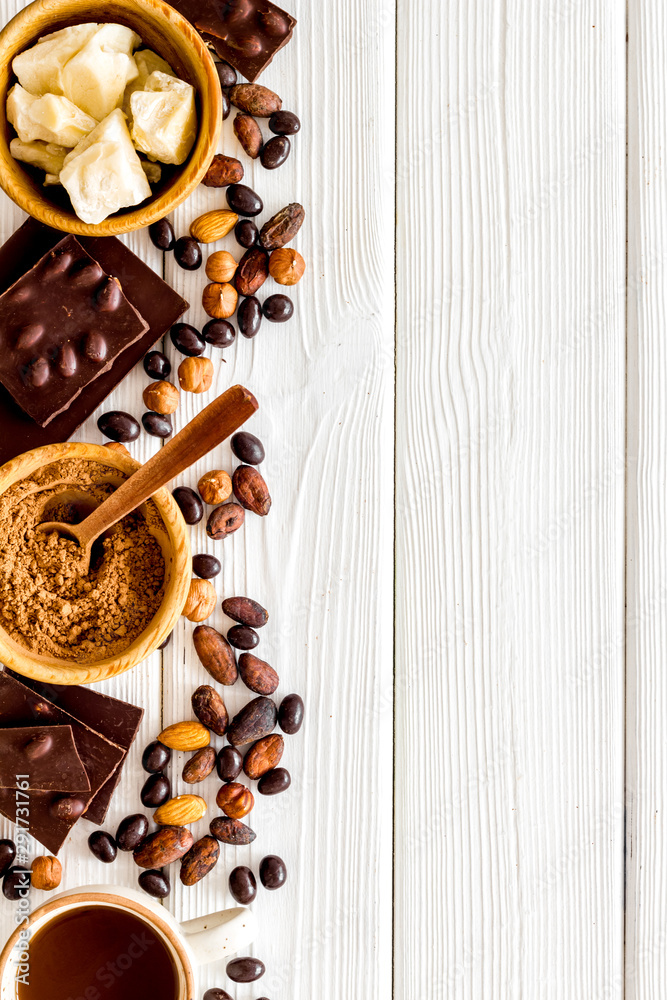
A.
pixel 178 571
pixel 171 36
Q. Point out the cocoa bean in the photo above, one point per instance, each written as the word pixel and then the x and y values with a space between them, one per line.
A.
pixel 283 227
pixel 199 766
pixel 256 720
pixel 164 846
pixel 252 272
pixel 257 675
pixel 215 654
pixel 200 860
pixel 249 134
pixel 225 520
pixel 251 490
pixel 245 611
pixel 210 709
pixel 224 170
pixel 263 756
pixel 255 99
pixel 231 831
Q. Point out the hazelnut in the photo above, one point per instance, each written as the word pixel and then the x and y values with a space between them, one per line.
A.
pixel 161 397
pixel 215 487
pixel 221 266
pixel 235 800
pixel 201 600
pixel 46 873
pixel 219 301
pixel 286 266
pixel 195 374
pixel 117 446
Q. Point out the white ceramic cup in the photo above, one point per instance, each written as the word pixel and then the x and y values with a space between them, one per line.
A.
pixel 190 944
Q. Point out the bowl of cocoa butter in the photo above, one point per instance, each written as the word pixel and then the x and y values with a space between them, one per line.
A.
pixel 62 621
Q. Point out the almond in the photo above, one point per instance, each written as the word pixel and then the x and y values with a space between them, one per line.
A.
pixel 162 847
pixel 263 756
pixel 215 654
pixel 181 811
pixel 212 226
pixel 185 736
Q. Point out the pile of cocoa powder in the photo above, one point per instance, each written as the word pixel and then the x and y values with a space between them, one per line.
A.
pixel 47 602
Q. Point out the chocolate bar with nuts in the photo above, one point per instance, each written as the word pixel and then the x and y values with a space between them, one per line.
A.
pixel 247 33
pixel 62 324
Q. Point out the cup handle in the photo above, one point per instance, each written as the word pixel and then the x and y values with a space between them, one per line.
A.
pixel 219 934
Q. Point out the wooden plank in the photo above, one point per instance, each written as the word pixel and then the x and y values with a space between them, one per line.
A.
pixel 510 481
pixel 321 562
pixel 646 960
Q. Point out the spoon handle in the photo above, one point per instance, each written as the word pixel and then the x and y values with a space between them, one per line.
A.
pixel 215 423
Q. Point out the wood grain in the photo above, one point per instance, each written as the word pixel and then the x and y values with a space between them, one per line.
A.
pixel 321 562
pixel 510 479
pixel 646 954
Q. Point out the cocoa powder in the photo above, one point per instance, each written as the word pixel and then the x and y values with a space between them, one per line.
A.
pixel 47 603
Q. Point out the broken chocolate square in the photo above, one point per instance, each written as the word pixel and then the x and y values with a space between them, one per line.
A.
pixel 47 754
pixel 157 302
pixel 115 719
pixel 52 814
pixel 62 324
pixel 247 33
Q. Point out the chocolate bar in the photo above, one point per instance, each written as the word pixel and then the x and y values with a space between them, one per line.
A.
pixel 62 324
pixel 116 720
pixel 247 33
pixel 157 302
pixel 52 814
pixel 47 754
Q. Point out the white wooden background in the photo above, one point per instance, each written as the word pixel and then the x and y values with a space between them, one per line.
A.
pixel 472 156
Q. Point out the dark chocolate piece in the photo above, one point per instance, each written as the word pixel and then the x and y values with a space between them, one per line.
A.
pixel 62 324
pixel 247 33
pixel 47 753
pixel 157 302
pixel 116 720
pixel 52 814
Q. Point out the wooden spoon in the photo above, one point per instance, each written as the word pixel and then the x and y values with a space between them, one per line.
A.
pixel 215 423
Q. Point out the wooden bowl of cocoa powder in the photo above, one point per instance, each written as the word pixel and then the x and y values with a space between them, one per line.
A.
pixel 58 624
